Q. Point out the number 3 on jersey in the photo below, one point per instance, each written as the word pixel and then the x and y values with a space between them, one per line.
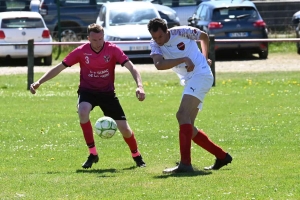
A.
pixel 87 61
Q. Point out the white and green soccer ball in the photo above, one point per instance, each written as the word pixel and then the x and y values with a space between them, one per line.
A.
pixel 105 127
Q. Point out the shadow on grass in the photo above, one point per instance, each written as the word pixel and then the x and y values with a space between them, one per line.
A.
pixel 96 171
pixel 195 173
pixel 130 168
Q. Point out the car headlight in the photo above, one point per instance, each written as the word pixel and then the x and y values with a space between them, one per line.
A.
pixel 112 38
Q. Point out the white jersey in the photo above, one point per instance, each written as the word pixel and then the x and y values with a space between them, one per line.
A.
pixel 182 43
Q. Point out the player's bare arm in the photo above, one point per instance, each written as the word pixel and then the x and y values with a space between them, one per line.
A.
pixel 163 64
pixel 47 76
pixel 204 40
pixel 140 93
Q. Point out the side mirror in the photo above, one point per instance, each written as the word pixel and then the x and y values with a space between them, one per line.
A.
pixel 101 23
pixel 295 20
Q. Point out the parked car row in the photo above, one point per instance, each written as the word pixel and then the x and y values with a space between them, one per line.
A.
pixel 75 16
pixel 127 21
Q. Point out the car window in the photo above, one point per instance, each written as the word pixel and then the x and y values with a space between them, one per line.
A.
pixel 198 11
pixel 102 15
pixel 204 13
pixel 140 16
pixel 22 23
pixel 241 13
pixel 15 5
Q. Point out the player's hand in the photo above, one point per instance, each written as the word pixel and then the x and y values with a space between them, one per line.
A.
pixel 140 94
pixel 189 65
pixel 209 62
pixel 34 86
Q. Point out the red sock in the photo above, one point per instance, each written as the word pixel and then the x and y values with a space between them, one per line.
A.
pixel 132 144
pixel 185 138
pixel 203 141
pixel 88 134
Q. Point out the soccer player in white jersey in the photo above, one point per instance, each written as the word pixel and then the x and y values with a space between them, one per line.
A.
pixel 177 49
pixel 97 59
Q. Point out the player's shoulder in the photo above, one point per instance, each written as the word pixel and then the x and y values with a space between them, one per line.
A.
pixel 108 44
pixel 82 47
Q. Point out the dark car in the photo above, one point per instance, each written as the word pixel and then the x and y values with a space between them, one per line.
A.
pixel 296 21
pixel 232 19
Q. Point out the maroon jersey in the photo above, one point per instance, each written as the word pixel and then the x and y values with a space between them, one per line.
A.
pixel 97 70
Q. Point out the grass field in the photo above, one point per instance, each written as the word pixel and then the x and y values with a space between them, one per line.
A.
pixel 254 116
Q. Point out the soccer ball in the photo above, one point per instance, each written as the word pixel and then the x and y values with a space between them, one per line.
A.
pixel 105 127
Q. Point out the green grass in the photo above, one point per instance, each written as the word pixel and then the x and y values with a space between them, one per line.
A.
pixel 282 47
pixel 254 116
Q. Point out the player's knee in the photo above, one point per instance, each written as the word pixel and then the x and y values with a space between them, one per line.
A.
pixel 180 115
pixel 83 112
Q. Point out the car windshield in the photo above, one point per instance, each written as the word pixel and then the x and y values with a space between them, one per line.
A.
pixel 22 23
pixel 238 13
pixel 132 16
pixel 14 5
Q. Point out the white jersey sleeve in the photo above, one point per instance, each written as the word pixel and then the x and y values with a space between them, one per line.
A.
pixel 155 49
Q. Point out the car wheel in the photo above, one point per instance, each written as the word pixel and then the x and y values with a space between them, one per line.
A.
pixel 263 54
pixel 48 60
pixel 37 61
pixel 69 35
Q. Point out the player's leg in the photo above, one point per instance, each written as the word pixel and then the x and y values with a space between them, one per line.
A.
pixel 129 138
pixel 201 139
pixel 84 108
pixel 184 116
pixel 112 108
pixel 188 104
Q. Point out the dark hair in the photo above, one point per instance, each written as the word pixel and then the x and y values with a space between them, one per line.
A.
pixel 156 23
pixel 94 28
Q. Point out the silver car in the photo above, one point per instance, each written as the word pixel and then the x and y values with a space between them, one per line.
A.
pixel 127 22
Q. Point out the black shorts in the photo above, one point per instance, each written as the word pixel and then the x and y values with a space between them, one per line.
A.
pixel 107 101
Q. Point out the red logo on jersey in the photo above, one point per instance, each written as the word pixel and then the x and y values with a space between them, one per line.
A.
pixel 106 58
pixel 181 46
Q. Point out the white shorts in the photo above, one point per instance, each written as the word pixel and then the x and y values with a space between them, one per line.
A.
pixel 198 86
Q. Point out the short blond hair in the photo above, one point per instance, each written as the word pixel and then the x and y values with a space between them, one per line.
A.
pixel 94 28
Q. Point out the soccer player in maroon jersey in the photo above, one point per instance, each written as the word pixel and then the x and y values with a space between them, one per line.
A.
pixel 97 60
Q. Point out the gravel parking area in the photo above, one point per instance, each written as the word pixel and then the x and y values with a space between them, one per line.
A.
pixel 275 62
